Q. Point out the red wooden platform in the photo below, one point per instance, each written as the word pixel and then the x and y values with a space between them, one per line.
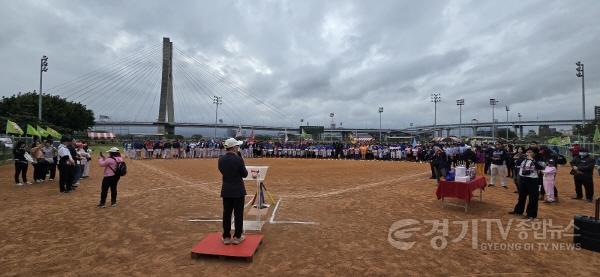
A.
pixel 212 245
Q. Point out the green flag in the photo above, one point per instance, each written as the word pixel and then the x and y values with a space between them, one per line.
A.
pixel 304 135
pixel 42 131
pixel 597 135
pixel 13 128
pixel 32 131
pixel 53 133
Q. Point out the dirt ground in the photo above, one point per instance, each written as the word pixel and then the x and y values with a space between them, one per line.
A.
pixel 354 204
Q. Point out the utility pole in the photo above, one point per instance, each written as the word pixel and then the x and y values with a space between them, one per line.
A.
pixel 217 100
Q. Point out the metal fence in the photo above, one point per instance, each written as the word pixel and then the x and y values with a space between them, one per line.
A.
pixel 593 149
pixel 5 154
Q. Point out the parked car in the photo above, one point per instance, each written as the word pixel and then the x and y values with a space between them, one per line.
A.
pixel 7 142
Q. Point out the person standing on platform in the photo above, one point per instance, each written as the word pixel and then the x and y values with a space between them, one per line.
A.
pixel 528 187
pixel 66 165
pixel 582 169
pixel 498 165
pixel 233 191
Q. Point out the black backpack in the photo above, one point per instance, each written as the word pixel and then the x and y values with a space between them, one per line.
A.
pixel 121 168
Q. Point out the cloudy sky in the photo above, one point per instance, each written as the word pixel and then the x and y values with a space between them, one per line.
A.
pixel 309 58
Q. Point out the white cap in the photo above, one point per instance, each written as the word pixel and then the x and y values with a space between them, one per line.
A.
pixel 113 150
pixel 231 142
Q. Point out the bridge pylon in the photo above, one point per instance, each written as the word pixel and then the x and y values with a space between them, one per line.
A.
pixel 166 111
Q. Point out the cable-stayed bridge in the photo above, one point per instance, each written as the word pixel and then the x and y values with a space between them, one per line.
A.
pixel 161 83
pixel 164 87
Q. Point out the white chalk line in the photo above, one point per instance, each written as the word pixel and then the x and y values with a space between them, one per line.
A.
pixel 205 220
pixel 271 221
pixel 295 222
pixel 183 186
pixel 275 211
pixel 168 174
pixel 355 188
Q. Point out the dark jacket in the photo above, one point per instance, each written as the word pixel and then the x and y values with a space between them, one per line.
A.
pixel 233 169
pixel 584 165
pixel 499 156
pixel 440 161
pixel 19 155
pixel 469 155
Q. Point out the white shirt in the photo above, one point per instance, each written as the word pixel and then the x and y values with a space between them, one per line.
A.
pixel 64 151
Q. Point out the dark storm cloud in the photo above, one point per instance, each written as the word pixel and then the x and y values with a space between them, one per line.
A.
pixel 310 58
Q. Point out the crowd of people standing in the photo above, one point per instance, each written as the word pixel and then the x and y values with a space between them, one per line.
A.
pixel 531 168
pixel 45 159
pixel 72 159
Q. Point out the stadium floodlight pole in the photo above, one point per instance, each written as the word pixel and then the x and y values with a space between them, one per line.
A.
pixel 43 68
pixel 435 98
pixel 493 103
pixel 507 110
pixel 460 103
pixel 301 120
pixel 474 122
pixel 380 112
pixel 580 74
pixel 331 127
pixel 217 100
pixel 519 116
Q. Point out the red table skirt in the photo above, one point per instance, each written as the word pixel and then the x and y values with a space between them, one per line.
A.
pixel 460 190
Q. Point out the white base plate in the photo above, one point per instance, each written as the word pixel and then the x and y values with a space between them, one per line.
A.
pixel 251 225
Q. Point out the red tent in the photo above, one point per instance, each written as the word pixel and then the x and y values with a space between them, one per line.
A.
pixel 97 135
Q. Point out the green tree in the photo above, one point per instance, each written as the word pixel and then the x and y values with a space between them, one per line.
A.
pixel 588 129
pixel 58 113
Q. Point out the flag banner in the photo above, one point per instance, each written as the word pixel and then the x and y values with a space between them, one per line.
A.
pixel 13 128
pixel 238 133
pixel 53 133
pixel 32 131
pixel 304 135
pixel 42 132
